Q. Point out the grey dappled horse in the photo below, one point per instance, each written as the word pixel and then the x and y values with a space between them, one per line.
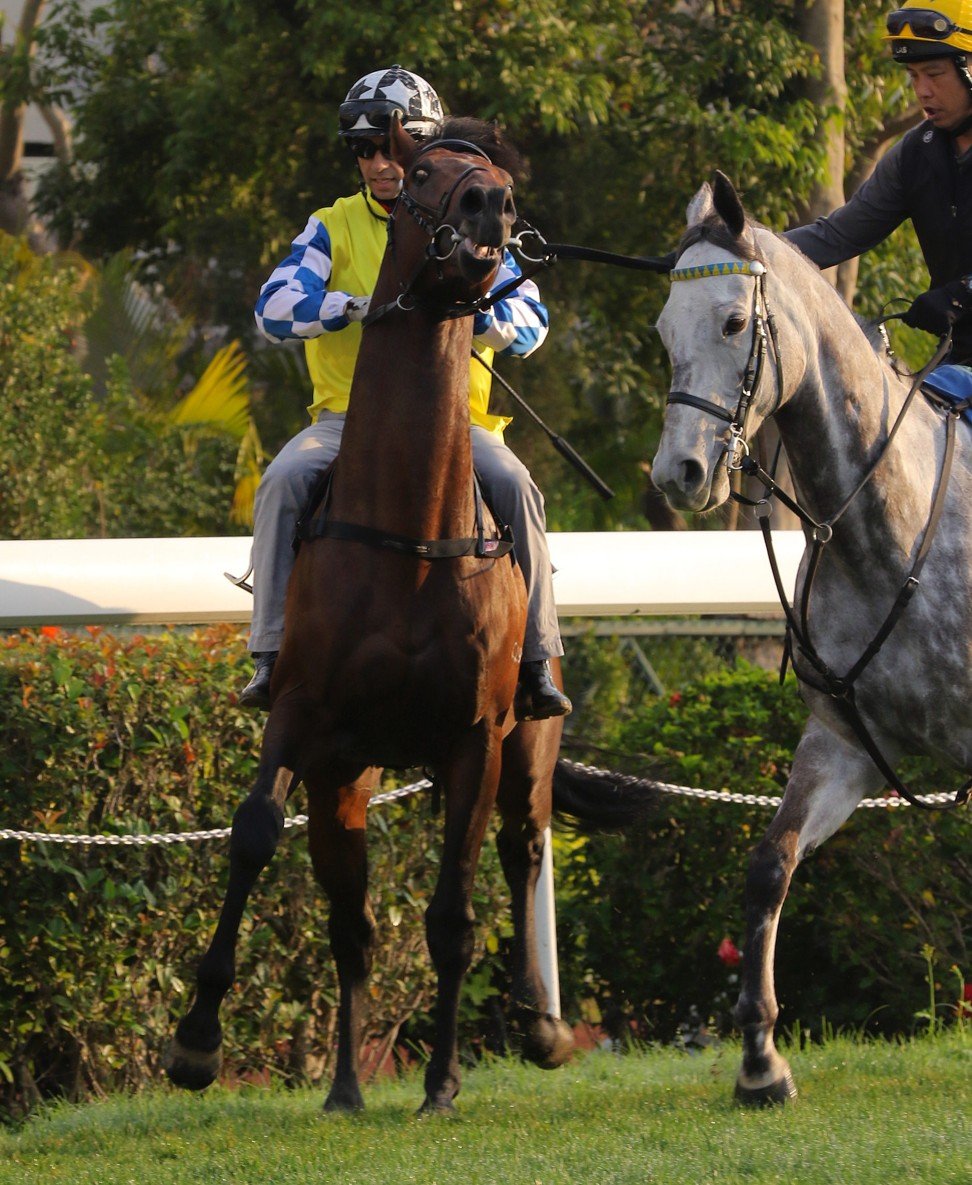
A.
pixel 834 399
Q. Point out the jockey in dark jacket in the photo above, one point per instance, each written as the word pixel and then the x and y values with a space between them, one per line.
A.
pixel 926 176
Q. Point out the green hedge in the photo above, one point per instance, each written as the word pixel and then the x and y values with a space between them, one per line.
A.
pixel 131 733
pixel 98 944
pixel 649 909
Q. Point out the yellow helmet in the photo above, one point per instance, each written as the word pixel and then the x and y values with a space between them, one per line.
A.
pixel 917 32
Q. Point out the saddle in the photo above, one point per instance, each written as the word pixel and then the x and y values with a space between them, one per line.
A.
pixel 951 384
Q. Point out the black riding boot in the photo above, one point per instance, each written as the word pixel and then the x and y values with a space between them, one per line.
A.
pixel 537 696
pixel 256 694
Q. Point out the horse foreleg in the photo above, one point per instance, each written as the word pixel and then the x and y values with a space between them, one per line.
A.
pixel 469 781
pixel 529 756
pixel 336 837
pixel 194 1055
pixel 829 778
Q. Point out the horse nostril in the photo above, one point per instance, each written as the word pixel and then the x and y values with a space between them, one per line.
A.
pixel 509 209
pixel 693 475
pixel 472 202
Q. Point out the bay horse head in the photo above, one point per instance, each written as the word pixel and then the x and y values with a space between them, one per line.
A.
pixel 716 328
pixel 452 222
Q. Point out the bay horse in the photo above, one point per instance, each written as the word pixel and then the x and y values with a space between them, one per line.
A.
pixel 753 330
pixel 404 625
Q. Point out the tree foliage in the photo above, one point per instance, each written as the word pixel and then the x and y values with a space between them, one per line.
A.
pixel 76 465
pixel 205 134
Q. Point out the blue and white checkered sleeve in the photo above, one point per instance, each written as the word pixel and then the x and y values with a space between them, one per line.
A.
pixel 518 323
pixel 295 301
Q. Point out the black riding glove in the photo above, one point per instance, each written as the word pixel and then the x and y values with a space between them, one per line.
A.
pixel 937 310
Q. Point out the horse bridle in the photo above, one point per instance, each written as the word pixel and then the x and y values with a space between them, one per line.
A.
pixel 824 678
pixel 764 325
pixel 429 218
pixel 432 220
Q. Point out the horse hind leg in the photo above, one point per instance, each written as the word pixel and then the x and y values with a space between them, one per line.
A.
pixel 194 1055
pixel 529 756
pixel 829 778
pixel 336 839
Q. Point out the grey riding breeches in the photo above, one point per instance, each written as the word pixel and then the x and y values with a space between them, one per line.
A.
pixel 285 488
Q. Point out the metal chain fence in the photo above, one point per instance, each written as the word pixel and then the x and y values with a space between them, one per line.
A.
pixel 173 837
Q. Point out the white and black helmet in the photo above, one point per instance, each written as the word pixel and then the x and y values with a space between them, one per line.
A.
pixel 369 104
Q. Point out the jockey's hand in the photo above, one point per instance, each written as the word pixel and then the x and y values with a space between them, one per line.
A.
pixel 937 310
pixel 357 308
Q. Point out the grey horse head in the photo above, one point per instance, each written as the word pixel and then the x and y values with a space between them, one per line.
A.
pixel 709 326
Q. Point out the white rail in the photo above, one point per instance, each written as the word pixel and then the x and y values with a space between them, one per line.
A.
pixel 162 581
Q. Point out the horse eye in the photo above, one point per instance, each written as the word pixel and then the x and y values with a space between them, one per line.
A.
pixel 736 324
pixel 420 175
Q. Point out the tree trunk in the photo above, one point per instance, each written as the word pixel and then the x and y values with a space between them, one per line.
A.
pixel 14 207
pixel 820 24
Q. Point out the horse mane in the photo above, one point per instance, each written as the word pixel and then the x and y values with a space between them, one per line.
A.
pixel 870 327
pixel 872 331
pixel 490 137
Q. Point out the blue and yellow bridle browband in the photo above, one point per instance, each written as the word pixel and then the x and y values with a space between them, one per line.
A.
pixel 731 267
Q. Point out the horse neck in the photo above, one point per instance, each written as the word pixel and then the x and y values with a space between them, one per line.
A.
pixel 835 425
pixel 405 463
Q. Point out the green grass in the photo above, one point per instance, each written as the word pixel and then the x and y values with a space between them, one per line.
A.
pixel 868 1114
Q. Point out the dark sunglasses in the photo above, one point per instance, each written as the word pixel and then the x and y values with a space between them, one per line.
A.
pixel 924 23
pixel 365 148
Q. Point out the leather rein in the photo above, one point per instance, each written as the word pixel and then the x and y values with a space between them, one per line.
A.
pixel 817 673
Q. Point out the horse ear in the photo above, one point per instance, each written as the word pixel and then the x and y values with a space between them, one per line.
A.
pixel 727 204
pixel 700 207
pixel 403 144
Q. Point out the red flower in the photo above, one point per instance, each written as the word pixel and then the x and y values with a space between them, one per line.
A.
pixel 674 698
pixel 967 993
pixel 50 631
pixel 729 953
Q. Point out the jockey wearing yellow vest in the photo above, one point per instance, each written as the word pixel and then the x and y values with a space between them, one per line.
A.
pixel 356 229
pixel 319 294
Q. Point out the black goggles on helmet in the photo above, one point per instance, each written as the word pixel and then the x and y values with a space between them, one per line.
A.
pixel 377 116
pixel 924 23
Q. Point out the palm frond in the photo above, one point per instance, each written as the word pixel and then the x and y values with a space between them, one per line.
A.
pixel 221 397
pixel 249 470
pixel 129 318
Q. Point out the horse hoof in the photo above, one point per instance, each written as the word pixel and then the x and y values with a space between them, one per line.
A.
pixel 343 1100
pixel 192 1069
pixel 774 1094
pixel 443 1107
pixel 547 1041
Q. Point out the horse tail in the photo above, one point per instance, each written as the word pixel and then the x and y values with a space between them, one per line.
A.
pixel 599 800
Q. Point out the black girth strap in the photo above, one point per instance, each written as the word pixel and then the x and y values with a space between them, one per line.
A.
pixel 425 549
pixel 314 524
